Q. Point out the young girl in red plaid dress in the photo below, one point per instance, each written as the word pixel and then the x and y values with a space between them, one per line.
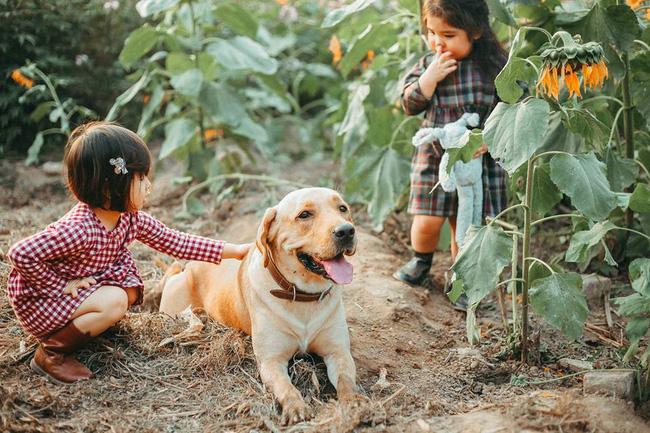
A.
pixel 456 77
pixel 77 278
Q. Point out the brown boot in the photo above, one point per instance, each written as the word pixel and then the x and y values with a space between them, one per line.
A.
pixel 53 360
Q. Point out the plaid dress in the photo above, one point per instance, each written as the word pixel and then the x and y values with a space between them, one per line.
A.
pixel 465 90
pixel 79 246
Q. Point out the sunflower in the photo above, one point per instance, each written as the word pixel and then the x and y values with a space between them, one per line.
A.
pixel 21 79
pixel 212 134
pixel 335 49
pixel 634 4
pixel 565 60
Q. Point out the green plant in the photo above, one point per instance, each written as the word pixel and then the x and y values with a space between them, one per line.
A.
pixel 514 136
pixel 57 111
pixel 76 43
pixel 220 76
pixel 594 151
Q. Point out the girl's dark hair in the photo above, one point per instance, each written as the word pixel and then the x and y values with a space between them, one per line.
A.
pixel 90 175
pixel 473 17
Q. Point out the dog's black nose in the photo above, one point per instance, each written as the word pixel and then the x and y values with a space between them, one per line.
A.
pixel 344 232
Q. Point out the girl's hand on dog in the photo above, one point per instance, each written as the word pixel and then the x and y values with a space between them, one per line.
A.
pixel 73 285
pixel 235 251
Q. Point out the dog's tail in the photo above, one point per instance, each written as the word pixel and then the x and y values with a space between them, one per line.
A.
pixel 173 269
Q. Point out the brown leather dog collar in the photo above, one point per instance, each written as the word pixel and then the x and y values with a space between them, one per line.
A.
pixel 289 290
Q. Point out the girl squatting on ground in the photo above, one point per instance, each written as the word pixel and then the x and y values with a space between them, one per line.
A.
pixel 455 77
pixel 76 278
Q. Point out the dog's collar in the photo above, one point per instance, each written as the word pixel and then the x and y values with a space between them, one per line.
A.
pixel 289 290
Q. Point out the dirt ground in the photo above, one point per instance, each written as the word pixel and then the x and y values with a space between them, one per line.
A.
pixel 415 368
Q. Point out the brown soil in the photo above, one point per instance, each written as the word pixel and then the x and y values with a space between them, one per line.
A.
pixel 415 368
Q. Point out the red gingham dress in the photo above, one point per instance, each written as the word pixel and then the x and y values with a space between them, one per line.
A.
pixel 79 246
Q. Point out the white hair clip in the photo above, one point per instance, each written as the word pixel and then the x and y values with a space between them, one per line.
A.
pixel 119 164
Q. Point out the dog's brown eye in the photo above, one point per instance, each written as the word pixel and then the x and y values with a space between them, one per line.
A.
pixel 343 208
pixel 304 214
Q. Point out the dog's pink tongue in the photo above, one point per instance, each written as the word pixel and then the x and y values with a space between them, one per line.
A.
pixel 340 270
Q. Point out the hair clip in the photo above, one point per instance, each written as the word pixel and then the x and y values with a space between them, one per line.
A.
pixel 119 164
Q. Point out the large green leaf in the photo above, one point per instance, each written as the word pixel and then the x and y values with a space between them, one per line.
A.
pixel 499 11
pixel 127 96
pixel 582 242
pixel 208 66
pixel 138 44
pixel 621 172
pixel 355 116
pixel 151 7
pixel 388 175
pixel 607 24
pixel 634 305
pixel 150 108
pixel 335 16
pixel 514 132
pixel 465 153
pixel 178 133
pixel 178 62
pixel 558 298
pixel 506 82
pixel 237 18
pixel 34 149
pixel 219 101
pixel 640 275
pixel 559 138
pixel 640 84
pixel 640 199
pixel 374 36
pixel 249 129
pixel 583 178
pixel 188 83
pixel 545 193
pixel 480 262
pixel 242 53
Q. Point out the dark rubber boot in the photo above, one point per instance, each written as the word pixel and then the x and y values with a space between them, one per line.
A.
pixel 415 271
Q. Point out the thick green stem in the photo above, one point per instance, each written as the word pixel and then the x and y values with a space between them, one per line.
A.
pixel 554 217
pixel 496 218
pixel 524 265
pixel 196 65
pixel 628 127
pixel 512 285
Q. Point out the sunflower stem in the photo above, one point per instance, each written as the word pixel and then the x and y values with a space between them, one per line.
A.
pixel 628 128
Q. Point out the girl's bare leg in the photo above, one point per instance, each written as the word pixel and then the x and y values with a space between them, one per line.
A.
pixel 101 310
pixel 425 232
pixel 454 245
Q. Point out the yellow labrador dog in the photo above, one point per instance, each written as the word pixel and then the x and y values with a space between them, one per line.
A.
pixel 286 293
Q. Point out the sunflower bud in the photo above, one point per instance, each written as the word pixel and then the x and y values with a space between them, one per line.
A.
pixel 565 59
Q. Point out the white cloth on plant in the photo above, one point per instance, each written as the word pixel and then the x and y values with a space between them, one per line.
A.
pixel 465 178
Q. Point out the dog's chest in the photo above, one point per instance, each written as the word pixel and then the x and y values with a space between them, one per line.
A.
pixel 304 322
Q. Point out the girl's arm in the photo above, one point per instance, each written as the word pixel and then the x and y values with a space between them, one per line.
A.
pixel 421 82
pixel 181 245
pixel 413 100
pixel 30 256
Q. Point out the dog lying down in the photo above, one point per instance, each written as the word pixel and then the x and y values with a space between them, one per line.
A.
pixel 286 293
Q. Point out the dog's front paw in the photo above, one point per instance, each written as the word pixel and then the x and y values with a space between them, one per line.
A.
pixel 352 399
pixel 293 411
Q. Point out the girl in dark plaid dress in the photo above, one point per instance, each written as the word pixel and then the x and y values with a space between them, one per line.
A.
pixel 76 278
pixel 456 77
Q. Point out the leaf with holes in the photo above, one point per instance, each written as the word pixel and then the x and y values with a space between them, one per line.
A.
pixel 583 178
pixel 558 298
pixel 514 132
pixel 479 264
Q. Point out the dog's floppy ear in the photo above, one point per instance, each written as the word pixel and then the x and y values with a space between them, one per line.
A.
pixel 263 233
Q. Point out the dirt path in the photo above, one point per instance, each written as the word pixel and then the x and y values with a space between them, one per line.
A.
pixel 152 378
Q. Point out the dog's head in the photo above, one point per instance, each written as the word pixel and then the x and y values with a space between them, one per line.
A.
pixel 309 234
